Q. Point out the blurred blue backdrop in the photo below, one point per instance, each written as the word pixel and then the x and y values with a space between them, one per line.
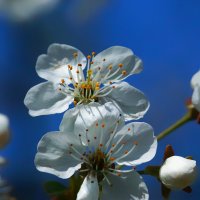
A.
pixel 164 34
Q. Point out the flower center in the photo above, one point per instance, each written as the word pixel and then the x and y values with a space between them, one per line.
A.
pixel 98 164
pixel 90 89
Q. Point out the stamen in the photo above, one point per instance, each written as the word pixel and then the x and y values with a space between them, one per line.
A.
pixel 75 55
pixel 120 65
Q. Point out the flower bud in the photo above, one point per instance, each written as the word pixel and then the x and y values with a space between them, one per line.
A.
pixel 4 130
pixel 178 172
pixel 195 83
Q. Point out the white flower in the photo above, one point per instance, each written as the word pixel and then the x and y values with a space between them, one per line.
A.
pixel 195 82
pixel 178 172
pixel 97 146
pixel 63 68
pixel 4 130
pixel 25 9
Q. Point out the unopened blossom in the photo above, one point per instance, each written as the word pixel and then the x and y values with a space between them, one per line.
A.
pixel 195 82
pixel 4 130
pixel 25 9
pixel 99 147
pixel 178 172
pixel 63 68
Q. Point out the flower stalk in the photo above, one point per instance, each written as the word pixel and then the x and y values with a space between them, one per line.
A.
pixel 192 114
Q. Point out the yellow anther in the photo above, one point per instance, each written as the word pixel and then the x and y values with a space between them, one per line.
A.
pixel 97 84
pixel 83 86
pixel 75 54
pixel 70 78
pixel 124 72
pixel 79 64
pixel 70 67
pixel 112 159
pixel 88 57
pixel 77 71
pixel 88 86
pixel 93 53
pixel 110 67
pixel 97 88
pixel 62 81
pixel 75 102
pixel 120 65
pixel 125 152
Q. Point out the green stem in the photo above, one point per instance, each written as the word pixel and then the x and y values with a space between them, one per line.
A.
pixel 187 117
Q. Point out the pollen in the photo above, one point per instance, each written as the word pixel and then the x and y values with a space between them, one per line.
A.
pixel 77 71
pixel 91 62
pixel 93 53
pixel 75 103
pixel 124 72
pixel 80 65
pixel 113 87
pixel 110 67
pixel 97 84
pixel 129 129
pixel 97 124
pixel 103 125
pixel 70 67
pixel 75 55
pixel 101 145
pixel 125 152
pixel 112 159
pixel 88 57
pixel 120 65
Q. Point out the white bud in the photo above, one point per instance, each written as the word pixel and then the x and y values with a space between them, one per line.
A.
pixel 4 130
pixel 195 83
pixel 178 172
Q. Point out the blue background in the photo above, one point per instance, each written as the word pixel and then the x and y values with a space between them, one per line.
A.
pixel 163 33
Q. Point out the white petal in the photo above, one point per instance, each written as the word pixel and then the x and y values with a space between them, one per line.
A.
pixel 130 188
pixel 196 97
pixel 114 56
pixel 69 119
pixel 196 80
pixel 53 154
pixel 4 123
pixel 44 99
pixel 130 100
pixel 178 172
pixel 95 120
pixel 140 136
pixel 54 65
pixel 89 189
